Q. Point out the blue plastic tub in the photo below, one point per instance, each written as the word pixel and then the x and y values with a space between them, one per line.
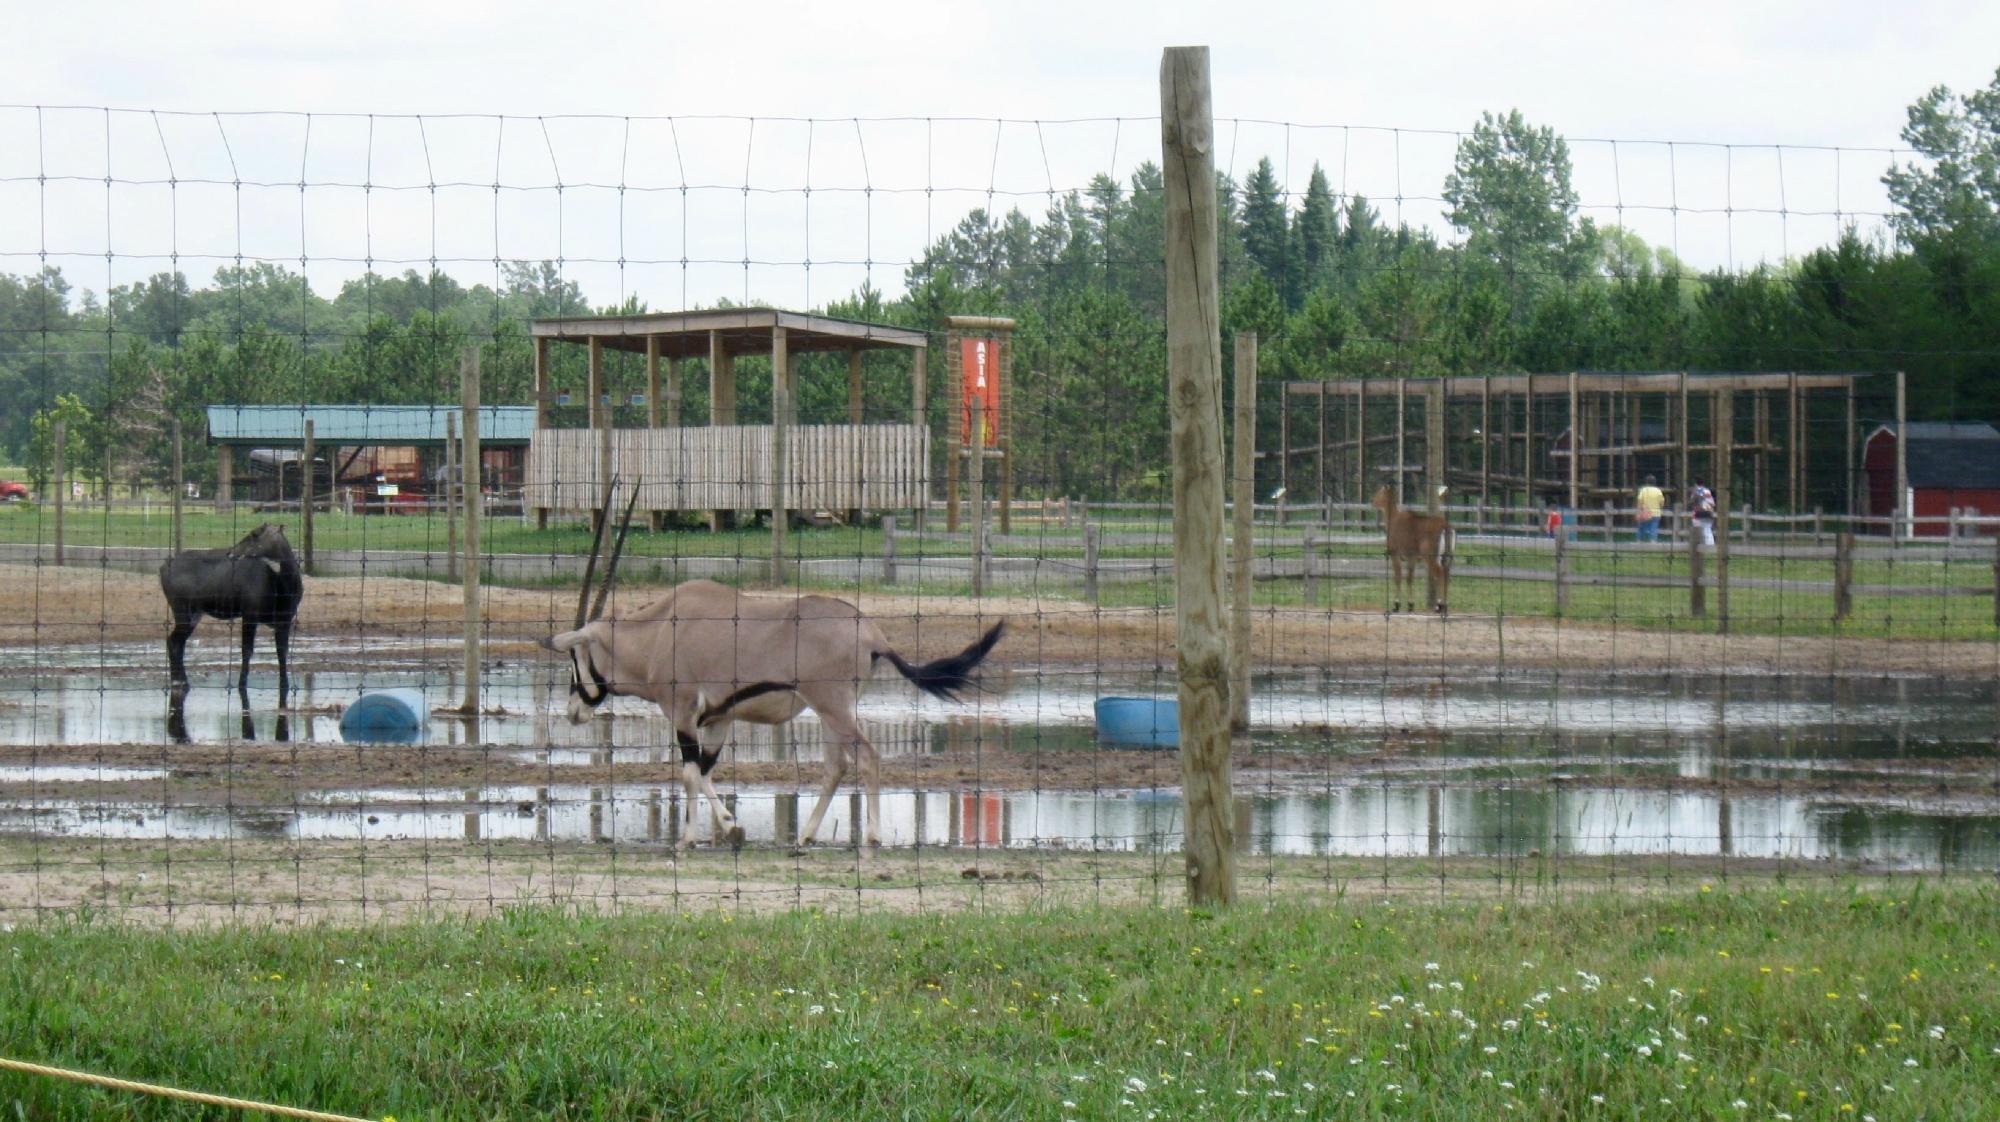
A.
pixel 1151 722
pixel 394 716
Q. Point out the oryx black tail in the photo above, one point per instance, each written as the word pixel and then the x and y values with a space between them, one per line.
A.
pixel 946 676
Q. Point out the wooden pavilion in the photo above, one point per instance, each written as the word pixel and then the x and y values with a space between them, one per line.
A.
pixel 726 466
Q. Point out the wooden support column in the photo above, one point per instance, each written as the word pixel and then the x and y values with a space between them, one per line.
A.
pixel 1725 444
pixel 1194 371
pixel 1760 427
pixel 1320 494
pixel 1243 454
pixel 653 403
pixel 781 422
pixel 542 400
pixel 180 483
pixel 1362 491
pixel 1402 456
pixel 61 484
pixel 858 464
pixel 1437 441
pixel 1485 439
pixel 225 477
pixel 1003 422
pixel 1684 482
pixel 600 416
pixel 1852 482
pixel 1528 462
pixel 1575 443
pixel 956 447
pixel 450 490
pixel 721 406
pixel 920 413
pixel 1795 442
pixel 676 380
pixel 306 493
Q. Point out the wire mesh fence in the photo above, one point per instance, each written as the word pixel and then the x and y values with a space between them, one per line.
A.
pixel 913 371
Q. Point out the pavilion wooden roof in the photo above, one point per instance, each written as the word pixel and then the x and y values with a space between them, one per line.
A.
pixel 743 331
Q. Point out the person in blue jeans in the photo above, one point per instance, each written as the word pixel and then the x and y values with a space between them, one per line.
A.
pixel 1649 501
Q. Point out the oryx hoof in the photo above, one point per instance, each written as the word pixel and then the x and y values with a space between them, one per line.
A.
pixel 732 837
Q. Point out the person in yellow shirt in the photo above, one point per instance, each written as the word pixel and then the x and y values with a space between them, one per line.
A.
pixel 1649 503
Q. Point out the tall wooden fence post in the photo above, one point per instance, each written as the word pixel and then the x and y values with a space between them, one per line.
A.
pixel 1194 376
pixel 1843 575
pixel 1562 575
pixel 1725 447
pixel 1090 563
pixel 888 549
pixel 1309 567
pixel 306 492
pixel 1243 452
pixel 61 483
pixel 1996 582
pixel 468 465
pixel 1697 592
pixel 180 483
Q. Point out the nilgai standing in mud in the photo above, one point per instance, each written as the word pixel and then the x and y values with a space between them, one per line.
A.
pixel 1413 537
pixel 708 655
pixel 256 580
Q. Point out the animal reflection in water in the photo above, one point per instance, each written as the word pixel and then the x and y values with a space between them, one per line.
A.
pixel 709 655
pixel 256 581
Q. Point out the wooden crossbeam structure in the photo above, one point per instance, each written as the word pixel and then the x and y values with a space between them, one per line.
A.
pixel 1575 436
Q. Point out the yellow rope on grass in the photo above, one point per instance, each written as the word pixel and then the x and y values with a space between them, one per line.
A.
pixel 172 1092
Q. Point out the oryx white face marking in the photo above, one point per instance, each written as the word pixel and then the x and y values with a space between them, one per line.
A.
pixel 584 684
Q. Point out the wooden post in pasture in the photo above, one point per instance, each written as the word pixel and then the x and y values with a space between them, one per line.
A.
pixel 975 483
pixel 1725 447
pixel 180 483
pixel 888 549
pixel 1610 522
pixel 468 463
pixel 955 441
pixel 1437 437
pixel 1697 592
pixel 1795 433
pixel 920 417
pixel 1402 440
pixel 1682 483
pixel 1194 374
pixel 61 484
pixel 1562 572
pixel 1851 480
pixel 1996 581
pixel 449 488
pixel 306 491
pixel 855 415
pixel 225 477
pixel 781 423
pixel 1485 444
pixel 1843 575
pixel 652 381
pixel 1243 453
pixel 1090 562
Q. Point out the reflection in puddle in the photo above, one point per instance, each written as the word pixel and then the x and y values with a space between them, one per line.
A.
pixel 1372 820
pixel 77 773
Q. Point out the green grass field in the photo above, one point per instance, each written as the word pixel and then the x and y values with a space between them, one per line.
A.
pixel 1765 1002
pixel 1931 602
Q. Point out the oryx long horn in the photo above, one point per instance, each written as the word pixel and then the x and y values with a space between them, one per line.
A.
pixel 596 547
pixel 617 551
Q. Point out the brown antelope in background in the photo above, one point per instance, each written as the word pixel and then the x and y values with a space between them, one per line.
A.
pixel 1411 536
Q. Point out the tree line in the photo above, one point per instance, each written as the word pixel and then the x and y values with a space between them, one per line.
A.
pixel 1332 289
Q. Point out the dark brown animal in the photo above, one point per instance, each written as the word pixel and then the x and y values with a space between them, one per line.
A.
pixel 1412 536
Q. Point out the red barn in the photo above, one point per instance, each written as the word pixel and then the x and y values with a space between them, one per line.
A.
pixel 1951 464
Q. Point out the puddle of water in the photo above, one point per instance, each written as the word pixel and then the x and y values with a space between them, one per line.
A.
pixel 1389 821
pixel 1449 765
pixel 77 773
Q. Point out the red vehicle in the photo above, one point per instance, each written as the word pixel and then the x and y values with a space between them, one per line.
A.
pixel 12 492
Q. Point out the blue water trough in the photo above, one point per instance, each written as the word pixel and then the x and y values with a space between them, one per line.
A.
pixel 392 716
pixel 1150 722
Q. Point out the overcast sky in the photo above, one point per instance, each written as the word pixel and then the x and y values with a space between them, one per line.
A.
pixel 1744 132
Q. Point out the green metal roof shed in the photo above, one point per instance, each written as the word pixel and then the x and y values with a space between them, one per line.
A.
pixel 284 426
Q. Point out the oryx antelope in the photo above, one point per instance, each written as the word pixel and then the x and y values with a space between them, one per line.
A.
pixel 1413 537
pixel 709 655
pixel 256 580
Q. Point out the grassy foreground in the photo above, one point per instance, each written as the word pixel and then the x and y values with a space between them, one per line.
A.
pixel 1762 1003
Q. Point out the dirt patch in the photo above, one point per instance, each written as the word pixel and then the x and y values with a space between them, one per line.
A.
pixel 51 606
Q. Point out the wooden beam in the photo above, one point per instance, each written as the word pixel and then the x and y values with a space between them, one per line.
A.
pixel 468 375
pixel 1575 441
pixel 781 421
pixel 1903 454
pixel 920 414
pixel 652 381
pixel 1194 372
pixel 541 383
pixel 1437 440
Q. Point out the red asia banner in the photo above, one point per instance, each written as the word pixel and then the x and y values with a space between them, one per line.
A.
pixel 979 359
